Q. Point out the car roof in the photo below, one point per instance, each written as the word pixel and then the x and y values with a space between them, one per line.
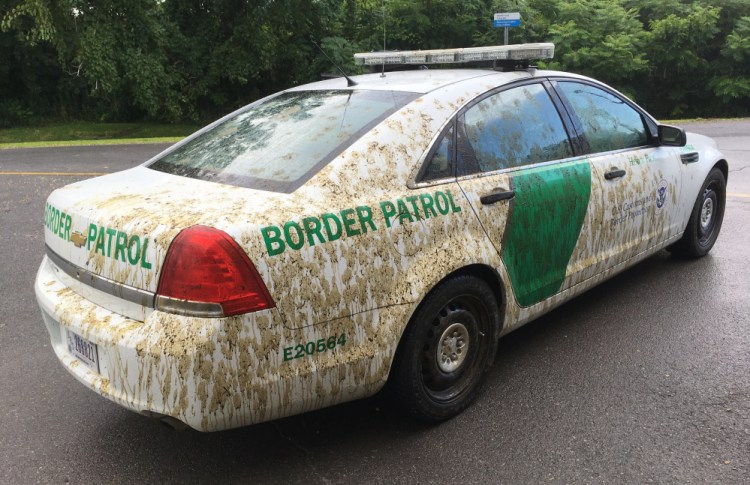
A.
pixel 417 81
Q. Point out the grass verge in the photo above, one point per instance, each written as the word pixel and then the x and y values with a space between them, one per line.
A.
pixel 85 133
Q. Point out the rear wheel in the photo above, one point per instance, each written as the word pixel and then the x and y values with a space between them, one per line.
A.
pixel 446 349
pixel 705 220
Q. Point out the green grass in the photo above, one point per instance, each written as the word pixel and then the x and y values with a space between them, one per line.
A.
pixel 85 133
pixel 696 120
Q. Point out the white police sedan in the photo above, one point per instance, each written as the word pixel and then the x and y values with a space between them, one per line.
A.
pixel 309 248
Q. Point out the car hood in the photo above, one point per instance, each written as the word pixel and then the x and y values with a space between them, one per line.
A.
pixel 700 140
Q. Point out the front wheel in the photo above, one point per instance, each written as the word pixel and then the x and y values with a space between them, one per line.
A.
pixel 705 220
pixel 446 349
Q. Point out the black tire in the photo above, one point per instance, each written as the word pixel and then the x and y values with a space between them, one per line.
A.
pixel 433 382
pixel 705 220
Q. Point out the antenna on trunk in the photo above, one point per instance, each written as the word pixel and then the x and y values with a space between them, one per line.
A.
pixel 349 81
pixel 382 74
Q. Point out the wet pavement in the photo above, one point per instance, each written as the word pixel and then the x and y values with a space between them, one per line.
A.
pixel 644 378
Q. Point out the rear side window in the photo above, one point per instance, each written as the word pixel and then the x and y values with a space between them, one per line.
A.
pixel 513 128
pixel 441 163
pixel 279 144
pixel 608 122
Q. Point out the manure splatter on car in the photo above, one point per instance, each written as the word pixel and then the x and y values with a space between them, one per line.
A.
pixel 314 245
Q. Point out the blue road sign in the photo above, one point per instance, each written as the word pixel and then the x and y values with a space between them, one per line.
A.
pixel 507 23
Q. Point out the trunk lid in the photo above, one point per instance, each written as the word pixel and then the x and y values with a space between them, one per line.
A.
pixel 119 226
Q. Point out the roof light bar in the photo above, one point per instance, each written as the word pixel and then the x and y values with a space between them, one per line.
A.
pixel 519 52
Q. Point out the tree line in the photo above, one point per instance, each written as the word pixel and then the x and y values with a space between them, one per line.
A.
pixel 193 60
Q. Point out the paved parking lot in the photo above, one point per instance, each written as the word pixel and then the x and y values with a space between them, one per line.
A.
pixel 644 378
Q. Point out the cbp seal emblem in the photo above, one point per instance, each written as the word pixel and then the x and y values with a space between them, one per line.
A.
pixel 661 194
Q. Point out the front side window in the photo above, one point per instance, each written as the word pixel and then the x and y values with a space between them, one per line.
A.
pixel 516 127
pixel 608 122
pixel 279 144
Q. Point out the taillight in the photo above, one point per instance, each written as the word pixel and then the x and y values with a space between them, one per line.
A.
pixel 206 273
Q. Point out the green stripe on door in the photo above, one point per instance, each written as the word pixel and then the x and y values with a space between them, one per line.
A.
pixel 547 215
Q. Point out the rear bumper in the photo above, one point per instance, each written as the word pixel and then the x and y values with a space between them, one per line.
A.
pixel 217 373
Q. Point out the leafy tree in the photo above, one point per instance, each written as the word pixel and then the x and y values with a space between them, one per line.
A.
pixel 600 38
pixel 434 24
pixel 732 68
pixel 679 53
pixel 116 47
pixel 733 84
pixel 179 60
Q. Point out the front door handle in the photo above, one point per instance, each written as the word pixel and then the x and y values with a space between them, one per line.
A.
pixel 497 195
pixel 617 173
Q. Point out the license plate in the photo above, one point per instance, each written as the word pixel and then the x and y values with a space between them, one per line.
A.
pixel 83 350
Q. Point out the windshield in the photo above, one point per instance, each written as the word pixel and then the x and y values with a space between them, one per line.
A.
pixel 279 144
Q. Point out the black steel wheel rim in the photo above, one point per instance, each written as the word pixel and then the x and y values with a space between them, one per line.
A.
pixel 444 385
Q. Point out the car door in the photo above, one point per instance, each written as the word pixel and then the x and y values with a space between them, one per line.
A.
pixel 517 167
pixel 639 181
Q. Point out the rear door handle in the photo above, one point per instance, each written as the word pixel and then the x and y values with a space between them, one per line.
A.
pixel 497 195
pixel 614 174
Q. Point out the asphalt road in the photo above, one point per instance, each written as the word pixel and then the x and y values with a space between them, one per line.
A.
pixel 645 378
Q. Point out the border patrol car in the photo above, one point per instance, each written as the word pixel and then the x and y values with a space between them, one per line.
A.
pixel 309 248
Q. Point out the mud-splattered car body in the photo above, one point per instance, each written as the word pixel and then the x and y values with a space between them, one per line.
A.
pixel 348 252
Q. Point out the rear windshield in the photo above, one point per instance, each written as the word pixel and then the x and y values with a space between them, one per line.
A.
pixel 279 144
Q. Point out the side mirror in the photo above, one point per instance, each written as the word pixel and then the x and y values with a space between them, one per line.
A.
pixel 671 136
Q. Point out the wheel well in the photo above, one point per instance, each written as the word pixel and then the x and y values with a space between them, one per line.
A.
pixel 724 167
pixel 483 272
pixel 490 277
